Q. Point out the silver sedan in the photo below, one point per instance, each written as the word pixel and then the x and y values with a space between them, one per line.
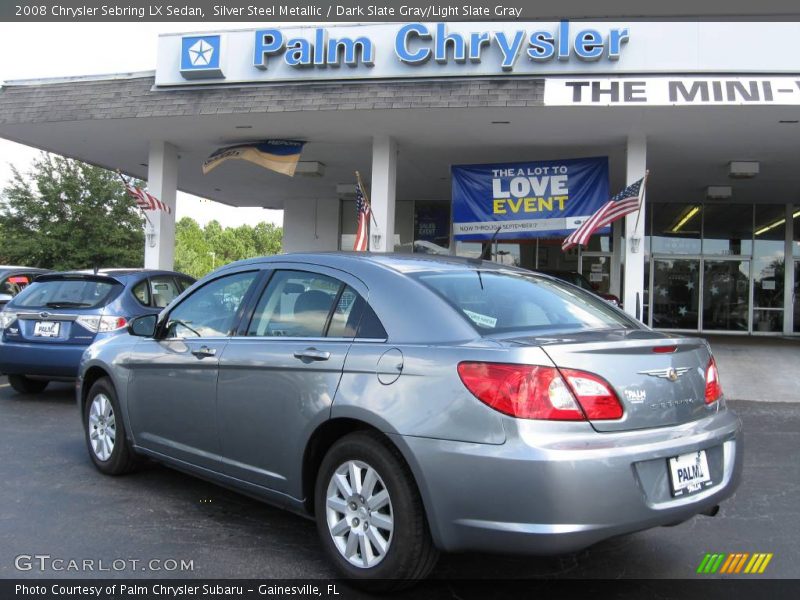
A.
pixel 416 405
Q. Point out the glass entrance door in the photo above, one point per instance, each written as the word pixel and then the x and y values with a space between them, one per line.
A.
pixel 726 295
pixel 675 297
pixel 796 296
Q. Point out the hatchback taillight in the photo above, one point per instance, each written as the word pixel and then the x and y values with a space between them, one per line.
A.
pixel 539 392
pixel 713 387
pixel 98 324
pixel 7 318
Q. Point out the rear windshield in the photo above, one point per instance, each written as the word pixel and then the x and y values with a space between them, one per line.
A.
pixel 67 293
pixel 505 301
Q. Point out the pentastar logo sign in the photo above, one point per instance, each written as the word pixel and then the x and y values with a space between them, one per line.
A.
pixel 200 56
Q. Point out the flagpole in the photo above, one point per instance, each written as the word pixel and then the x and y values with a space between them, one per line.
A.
pixel 641 203
pixel 366 197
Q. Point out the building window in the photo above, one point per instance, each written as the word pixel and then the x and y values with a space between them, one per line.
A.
pixel 676 228
pixel 769 267
pixel 728 229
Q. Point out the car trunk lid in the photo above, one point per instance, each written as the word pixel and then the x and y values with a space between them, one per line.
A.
pixel 50 311
pixel 659 379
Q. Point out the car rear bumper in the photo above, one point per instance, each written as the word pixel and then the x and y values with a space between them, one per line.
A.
pixel 41 360
pixel 559 491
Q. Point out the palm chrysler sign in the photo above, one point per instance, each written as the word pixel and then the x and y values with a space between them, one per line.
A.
pixel 472 49
pixel 386 50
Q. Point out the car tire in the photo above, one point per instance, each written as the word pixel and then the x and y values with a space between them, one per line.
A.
pixel 387 520
pixel 105 431
pixel 26 385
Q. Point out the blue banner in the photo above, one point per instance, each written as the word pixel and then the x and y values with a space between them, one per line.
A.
pixel 548 198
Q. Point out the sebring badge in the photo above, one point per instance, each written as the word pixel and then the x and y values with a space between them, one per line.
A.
pixel 671 373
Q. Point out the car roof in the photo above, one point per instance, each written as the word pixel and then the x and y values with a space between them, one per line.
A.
pixel 116 273
pixel 22 268
pixel 402 263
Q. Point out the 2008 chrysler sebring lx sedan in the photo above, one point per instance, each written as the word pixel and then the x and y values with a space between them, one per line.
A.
pixel 412 405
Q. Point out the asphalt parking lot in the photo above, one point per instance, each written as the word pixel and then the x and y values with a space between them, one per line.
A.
pixel 53 501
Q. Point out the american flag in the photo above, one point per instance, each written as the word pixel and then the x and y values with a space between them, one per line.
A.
pixel 362 214
pixel 627 201
pixel 145 200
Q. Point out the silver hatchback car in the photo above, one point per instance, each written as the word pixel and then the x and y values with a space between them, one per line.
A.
pixel 415 405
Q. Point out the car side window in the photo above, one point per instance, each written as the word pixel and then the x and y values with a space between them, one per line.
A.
pixel 295 304
pixel 6 287
pixel 163 290
pixel 353 317
pixel 141 292
pixel 211 310
pixel 369 326
pixel 184 283
pixel 14 284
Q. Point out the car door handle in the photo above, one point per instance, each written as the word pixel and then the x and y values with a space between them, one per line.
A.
pixel 204 352
pixel 312 354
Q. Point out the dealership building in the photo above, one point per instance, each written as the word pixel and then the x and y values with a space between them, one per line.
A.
pixel 467 135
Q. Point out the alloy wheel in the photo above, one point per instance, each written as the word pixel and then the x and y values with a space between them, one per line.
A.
pixel 359 514
pixel 102 427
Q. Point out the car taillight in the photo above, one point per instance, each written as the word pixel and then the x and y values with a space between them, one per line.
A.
pixel 102 324
pixel 713 387
pixel 7 318
pixel 597 399
pixel 539 392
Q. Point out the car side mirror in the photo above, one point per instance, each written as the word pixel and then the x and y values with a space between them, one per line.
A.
pixel 144 326
pixel 5 298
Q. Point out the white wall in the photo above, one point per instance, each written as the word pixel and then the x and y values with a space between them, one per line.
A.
pixel 311 225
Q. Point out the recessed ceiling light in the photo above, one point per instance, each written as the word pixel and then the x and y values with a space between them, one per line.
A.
pixel 310 168
pixel 718 192
pixel 743 169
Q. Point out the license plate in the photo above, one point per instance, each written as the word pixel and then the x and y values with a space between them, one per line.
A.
pixel 689 473
pixel 46 328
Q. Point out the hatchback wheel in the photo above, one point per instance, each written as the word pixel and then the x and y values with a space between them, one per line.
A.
pixel 26 385
pixel 105 431
pixel 370 515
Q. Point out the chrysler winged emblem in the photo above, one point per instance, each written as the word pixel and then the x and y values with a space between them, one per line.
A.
pixel 670 373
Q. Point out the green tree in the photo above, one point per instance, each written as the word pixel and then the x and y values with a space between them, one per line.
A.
pixel 192 252
pixel 3 257
pixel 199 250
pixel 268 239
pixel 66 214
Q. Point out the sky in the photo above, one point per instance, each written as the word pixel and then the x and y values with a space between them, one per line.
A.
pixel 92 49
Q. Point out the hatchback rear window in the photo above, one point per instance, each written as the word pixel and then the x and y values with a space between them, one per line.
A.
pixel 67 293
pixel 505 301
